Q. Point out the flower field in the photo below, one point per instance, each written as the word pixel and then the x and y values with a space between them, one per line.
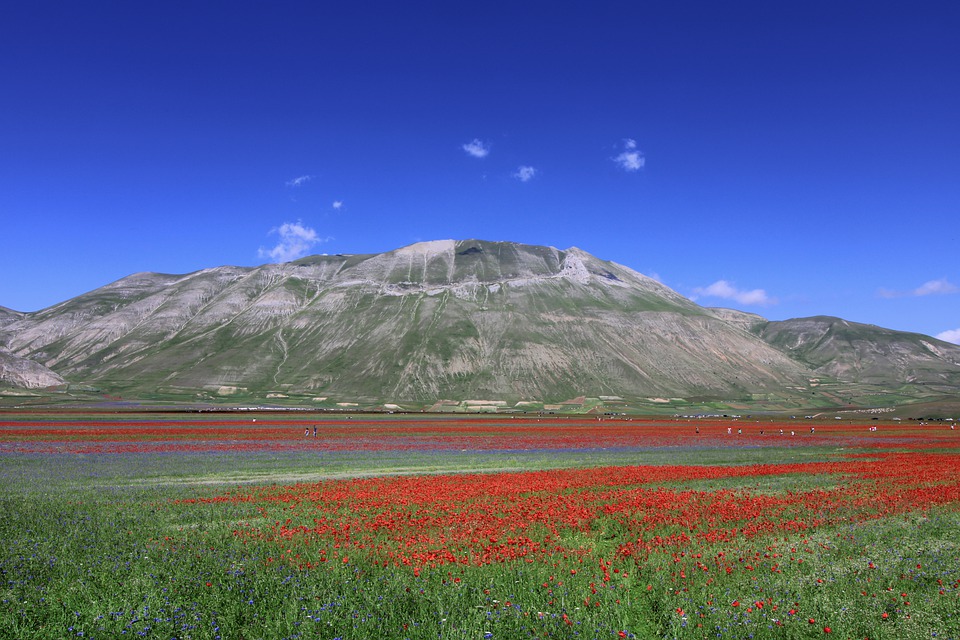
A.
pixel 235 526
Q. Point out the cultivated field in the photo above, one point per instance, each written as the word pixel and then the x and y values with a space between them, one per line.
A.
pixel 151 525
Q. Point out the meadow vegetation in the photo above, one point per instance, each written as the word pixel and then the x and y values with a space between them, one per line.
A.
pixel 149 526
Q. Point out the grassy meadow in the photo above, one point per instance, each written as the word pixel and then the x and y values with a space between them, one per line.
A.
pixel 182 526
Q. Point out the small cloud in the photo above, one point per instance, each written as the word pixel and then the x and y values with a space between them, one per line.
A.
pixel 936 287
pixel 477 148
pixel 631 159
pixel 296 240
pixel 525 174
pixel 953 335
pixel 299 181
pixel 725 290
pixel 929 288
pixel 337 205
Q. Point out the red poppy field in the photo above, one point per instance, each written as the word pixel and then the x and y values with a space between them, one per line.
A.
pixel 119 434
pixel 179 527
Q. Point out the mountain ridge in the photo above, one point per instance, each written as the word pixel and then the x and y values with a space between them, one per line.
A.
pixel 439 319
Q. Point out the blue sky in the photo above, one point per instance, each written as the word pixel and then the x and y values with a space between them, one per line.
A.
pixel 789 159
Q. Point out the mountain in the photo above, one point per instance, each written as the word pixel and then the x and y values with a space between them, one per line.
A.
pixel 20 372
pixel 8 316
pixel 26 374
pixel 864 353
pixel 435 320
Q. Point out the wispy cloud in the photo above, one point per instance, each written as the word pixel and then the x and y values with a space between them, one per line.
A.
pixel 337 205
pixel 936 287
pixel 929 288
pixel 725 290
pixel 525 173
pixel 953 335
pixel 631 158
pixel 295 241
pixel 477 148
pixel 299 181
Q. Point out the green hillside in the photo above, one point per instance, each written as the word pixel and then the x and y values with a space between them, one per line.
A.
pixel 459 320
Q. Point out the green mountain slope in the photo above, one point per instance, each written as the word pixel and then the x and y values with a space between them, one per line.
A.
pixel 443 319
pixel 456 320
pixel 863 353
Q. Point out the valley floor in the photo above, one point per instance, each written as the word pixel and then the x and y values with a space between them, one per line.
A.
pixel 301 526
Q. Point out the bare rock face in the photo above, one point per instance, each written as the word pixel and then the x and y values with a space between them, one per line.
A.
pixel 25 374
pixel 442 319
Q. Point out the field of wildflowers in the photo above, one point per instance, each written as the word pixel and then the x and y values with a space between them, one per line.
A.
pixel 240 526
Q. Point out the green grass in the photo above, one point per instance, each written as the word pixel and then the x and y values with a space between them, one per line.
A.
pixel 114 575
pixel 100 547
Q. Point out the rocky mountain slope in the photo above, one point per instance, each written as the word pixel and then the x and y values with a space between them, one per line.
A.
pixel 8 316
pixel 864 353
pixel 442 319
pixel 25 374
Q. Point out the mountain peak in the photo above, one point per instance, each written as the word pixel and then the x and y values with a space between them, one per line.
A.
pixel 428 247
pixel 435 319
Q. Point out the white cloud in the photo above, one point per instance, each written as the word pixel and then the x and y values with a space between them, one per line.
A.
pixel 929 288
pixel 953 335
pixel 525 174
pixel 725 290
pixel 477 148
pixel 632 158
pixel 299 181
pixel 296 240
pixel 936 287
pixel 337 204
